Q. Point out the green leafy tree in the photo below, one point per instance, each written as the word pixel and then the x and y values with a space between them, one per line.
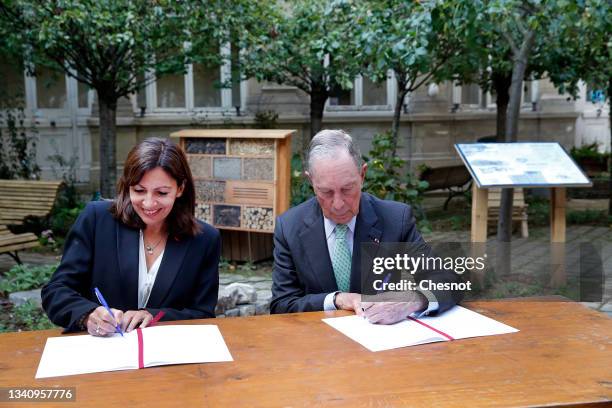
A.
pixel 309 44
pixel 107 45
pixel 417 40
pixel 582 50
pixel 558 39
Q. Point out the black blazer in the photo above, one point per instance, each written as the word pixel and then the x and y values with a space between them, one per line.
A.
pixel 102 252
pixel 303 273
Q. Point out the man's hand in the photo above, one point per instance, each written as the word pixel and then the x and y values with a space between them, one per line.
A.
pixel 348 301
pixel 392 312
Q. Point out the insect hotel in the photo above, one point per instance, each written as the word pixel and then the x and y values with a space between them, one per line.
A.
pixel 242 179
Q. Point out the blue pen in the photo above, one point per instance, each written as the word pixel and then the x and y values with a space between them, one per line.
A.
pixel 103 302
pixel 385 280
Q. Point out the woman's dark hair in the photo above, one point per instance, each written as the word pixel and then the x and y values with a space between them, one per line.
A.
pixel 147 155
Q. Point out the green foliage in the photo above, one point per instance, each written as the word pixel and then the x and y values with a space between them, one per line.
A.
pixel 26 277
pixel 103 44
pixel 417 40
pixel 17 142
pixel 459 222
pixel 309 44
pixel 25 317
pixel 301 37
pixel 114 46
pixel 581 46
pixel 224 264
pixel 62 218
pixel 420 41
pixel 386 177
pixel 588 217
pixel 538 211
pixel 266 120
pixel 590 152
pixel 301 190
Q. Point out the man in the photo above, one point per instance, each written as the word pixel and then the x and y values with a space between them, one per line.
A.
pixel 317 247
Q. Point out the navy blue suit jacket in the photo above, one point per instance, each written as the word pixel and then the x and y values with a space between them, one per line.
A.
pixel 102 252
pixel 303 273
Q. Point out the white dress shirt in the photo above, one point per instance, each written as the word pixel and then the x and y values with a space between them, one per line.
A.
pixel 146 278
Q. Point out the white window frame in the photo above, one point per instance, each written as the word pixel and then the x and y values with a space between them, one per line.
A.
pixel 391 86
pixel 73 96
pixel 484 98
pixel 534 94
pixel 226 93
pixel 32 98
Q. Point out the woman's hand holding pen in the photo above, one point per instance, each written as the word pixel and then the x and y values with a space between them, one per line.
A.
pixel 136 318
pixel 100 323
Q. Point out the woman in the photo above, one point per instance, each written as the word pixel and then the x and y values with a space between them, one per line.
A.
pixel 145 251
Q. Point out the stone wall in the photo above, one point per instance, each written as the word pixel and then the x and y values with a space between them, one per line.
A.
pixel 429 127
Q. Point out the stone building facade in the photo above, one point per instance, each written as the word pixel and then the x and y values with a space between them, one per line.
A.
pixel 434 118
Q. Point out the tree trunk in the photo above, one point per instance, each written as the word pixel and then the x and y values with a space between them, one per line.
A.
pixel 108 142
pixel 399 103
pixel 519 66
pixel 318 97
pixel 501 82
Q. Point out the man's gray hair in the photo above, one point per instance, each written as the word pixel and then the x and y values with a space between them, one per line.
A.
pixel 326 144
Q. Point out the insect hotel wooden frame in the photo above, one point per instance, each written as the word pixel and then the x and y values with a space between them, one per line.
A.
pixel 242 179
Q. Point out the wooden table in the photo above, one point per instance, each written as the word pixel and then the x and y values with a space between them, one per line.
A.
pixel 561 356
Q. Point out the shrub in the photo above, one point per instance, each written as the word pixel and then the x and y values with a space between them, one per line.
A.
pixel 387 179
pixel 17 143
pixel 590 217
pixel 300 186
pixel 62 218
pixel 24 317
pixel 30 317
pixel 26 277
pixel 538 211
pixel 589 151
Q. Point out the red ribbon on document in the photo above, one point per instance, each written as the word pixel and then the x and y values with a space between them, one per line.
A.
pixel 158 316
pixel 432 328
pixel 140 338
pixel 140 348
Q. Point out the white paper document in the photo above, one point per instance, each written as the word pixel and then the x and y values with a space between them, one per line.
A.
pixel 161 345
pixel 456 323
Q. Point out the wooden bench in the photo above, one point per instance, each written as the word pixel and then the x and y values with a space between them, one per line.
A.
pixel 11 243
pixel 20 199
pixel 455 179
pixel 519 209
